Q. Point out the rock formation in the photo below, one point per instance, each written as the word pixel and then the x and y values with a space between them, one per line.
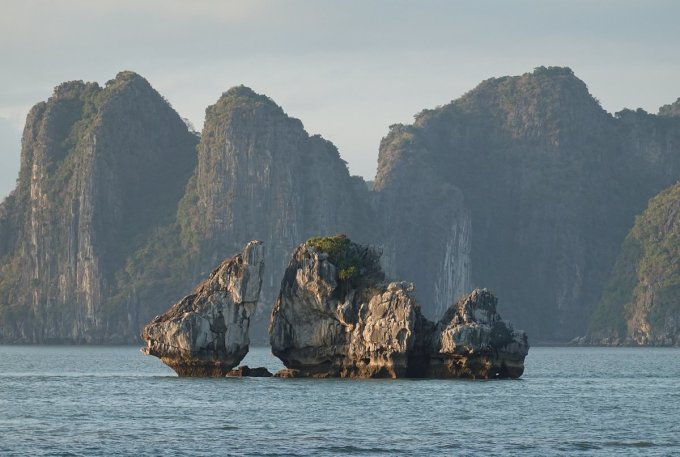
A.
pixel 524 183
pixel 641 304
pixel 101 170
pixel 336 316
pixel 98 267
pixel 206 333
pixel 471 341
pixel 260 175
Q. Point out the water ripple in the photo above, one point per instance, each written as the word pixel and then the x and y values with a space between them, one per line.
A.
pixel 84 401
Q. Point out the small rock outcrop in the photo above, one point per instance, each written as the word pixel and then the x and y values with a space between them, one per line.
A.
pixel 206 333
pixel 337 316
pixel 472 341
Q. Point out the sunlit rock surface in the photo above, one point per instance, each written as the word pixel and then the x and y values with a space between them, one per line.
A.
pixel 472 341
pixel 337 316
pixel 206 333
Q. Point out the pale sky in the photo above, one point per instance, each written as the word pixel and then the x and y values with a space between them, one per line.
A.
pixel 347 69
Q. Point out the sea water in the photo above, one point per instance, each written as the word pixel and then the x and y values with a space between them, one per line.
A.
pixel 109 401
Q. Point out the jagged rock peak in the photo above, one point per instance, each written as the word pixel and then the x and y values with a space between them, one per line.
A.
pixel 206 333
pixel 127 77
pixel 336 316
pixel 244 94
pixel 529 97
pixel 541 79
pixel 124 81
pixel 547 100
pixel 242 100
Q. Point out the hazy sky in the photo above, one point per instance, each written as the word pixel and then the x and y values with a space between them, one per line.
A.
pixel 347 69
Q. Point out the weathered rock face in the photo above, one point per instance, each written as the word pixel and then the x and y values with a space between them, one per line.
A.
pixel 524 183
pixel 641 304
pixel 429 237
pixel 101 169
pixel 260 175
pixel 95 239
pixel 471 341
pixel 527 184
pixel 206 333
pixel 336 316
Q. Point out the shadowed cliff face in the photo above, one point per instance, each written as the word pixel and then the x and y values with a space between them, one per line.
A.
pixel 641 304
pixel 524 184
pixel 533 187
pixel 123 246
pixel 260 175
pixel 100 169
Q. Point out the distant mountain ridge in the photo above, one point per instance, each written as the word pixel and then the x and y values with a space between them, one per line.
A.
pixel 524 185
pixel 92 251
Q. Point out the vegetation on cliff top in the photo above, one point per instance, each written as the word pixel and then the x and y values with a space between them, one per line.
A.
pixel 672 109
pixel 351 260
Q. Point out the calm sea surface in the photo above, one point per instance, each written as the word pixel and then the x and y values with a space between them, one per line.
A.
pixel 105 401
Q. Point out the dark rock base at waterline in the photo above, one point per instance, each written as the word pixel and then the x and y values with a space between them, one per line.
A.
pixel 196 369
pixel 245 371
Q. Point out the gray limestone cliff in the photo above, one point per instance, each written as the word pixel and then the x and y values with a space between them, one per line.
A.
pixel 260 175
pixel 119 210
pixel 337 316
pixel 101 169
pixel 524 183
pixel 206 333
